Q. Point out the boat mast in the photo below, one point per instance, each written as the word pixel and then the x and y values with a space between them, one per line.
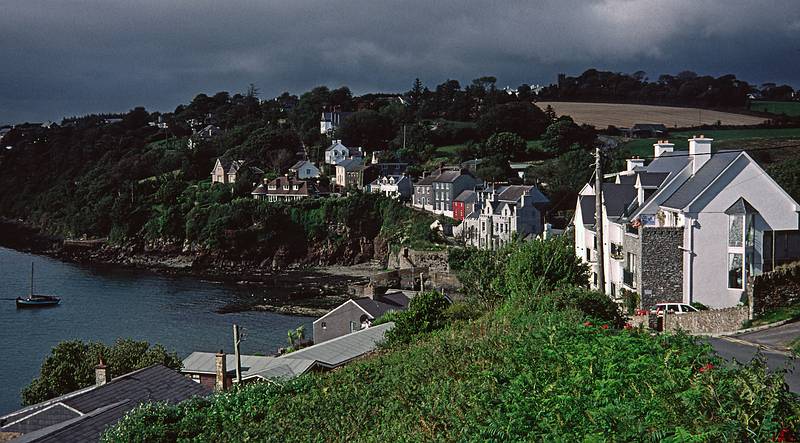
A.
pixel 31 279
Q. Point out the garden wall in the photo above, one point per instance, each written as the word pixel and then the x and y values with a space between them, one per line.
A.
pixel 776 289
pixel 707 322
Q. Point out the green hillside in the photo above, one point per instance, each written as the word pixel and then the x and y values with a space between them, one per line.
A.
pixel 545 361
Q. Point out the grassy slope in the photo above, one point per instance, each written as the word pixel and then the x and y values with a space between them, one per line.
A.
pixel 515 374
pixel 727 138
pixel 791 109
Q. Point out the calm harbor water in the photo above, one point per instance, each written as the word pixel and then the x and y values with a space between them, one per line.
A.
pixel 104 304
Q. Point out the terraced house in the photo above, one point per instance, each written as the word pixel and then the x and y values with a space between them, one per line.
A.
pixel 689 226
pixel 502 214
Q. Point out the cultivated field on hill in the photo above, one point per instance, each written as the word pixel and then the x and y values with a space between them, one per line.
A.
pixel 601 115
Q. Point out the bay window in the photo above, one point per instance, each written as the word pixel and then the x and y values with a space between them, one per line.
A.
pixel 741 243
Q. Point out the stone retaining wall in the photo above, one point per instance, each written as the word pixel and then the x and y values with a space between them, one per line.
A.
pixel 707 322
pixel 777 289
pixel 435 261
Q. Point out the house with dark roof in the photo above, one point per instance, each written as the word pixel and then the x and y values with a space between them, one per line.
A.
pixel 689 226
pixel 226 171
pixel 502 214
pixel 397 187
pixel 83 415
pixel 337 152
pixel 353 173
pixel 285 189
pixel 218 370
pixel 422 197
pixel 359 313
pixel 304 170
pixel 331 121
pixel 464 204
pixel 648 130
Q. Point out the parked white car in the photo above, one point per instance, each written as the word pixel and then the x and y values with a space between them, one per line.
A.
pixel 673 308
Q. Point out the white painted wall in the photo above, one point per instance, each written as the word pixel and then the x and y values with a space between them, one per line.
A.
pixel 709 266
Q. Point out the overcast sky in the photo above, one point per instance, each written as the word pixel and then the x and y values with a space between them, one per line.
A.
pixel 71 57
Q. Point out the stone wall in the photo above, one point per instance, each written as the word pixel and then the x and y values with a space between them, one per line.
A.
pixel 435 261
pixel 706 322
pixel 776 289
pixel 661 267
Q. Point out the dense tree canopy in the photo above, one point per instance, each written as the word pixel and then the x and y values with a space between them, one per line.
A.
pixel 71 365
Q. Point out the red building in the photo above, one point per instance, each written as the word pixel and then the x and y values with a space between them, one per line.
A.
pixel 464 204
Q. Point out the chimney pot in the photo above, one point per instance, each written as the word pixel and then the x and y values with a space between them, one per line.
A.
pixel 100 373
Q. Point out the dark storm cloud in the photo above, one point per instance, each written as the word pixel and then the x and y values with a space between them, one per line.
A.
pixel 63 57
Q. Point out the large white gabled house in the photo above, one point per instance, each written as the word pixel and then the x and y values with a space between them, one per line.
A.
pixel 689 226
pixel 337 152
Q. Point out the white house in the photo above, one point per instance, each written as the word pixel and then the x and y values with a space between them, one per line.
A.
pixel 304 169
pixel 689 226
pixel 331 121
pixel 392 186
pixel 225 170
pixel 337 152
pixel 500 214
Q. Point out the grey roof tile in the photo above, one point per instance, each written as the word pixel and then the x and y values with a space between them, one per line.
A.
pixel 697 183
pixel 104 405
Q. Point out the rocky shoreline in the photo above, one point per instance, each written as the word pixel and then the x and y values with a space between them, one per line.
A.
pixel 296 289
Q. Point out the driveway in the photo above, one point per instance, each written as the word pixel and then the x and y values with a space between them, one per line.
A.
pixel 743 352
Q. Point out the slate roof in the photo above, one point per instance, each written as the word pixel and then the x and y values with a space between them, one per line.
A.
pixel 395 301
pixel 587 203
pixel 467 196
pixel 671 162
pixel 205 363
pixel 84 415
pixel 340 350
pixel 697 183
pixel 350 164
pixel 297 166
pixel 450 176
pixel 652 179
pixel 617 198
pixel 426 181
pixel 513 193
pixel 626 179
pixel 305 187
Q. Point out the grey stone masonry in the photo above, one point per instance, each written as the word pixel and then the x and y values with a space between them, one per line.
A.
pixel 661 266
pixel 707 322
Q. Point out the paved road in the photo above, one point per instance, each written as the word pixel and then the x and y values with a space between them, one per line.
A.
pixel 743 353
pixel 778 337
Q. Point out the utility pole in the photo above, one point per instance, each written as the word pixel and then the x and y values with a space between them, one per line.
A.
pixel 404 137
pixel 598 216
pixel 236 341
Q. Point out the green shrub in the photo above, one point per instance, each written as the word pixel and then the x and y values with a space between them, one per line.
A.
pixel 425 313
pixel 536 266
pixel 631 300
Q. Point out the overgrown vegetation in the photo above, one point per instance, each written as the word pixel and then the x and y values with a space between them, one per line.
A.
pixel 71 365
pixel 550 361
